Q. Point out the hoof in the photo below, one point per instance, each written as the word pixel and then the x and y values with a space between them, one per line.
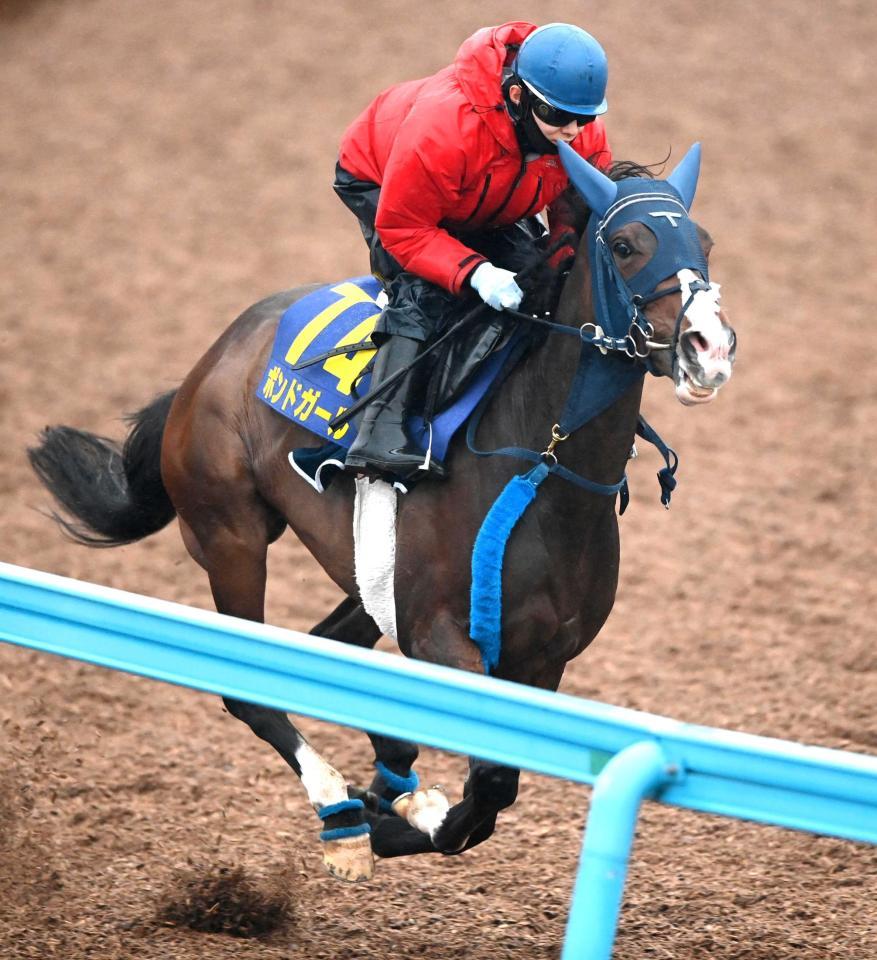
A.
pixel 349 858
pixel 423 809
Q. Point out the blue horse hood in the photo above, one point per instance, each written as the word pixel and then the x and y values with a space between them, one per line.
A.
pixel 659 206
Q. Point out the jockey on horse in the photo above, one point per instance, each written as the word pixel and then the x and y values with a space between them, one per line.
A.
pixel 446 176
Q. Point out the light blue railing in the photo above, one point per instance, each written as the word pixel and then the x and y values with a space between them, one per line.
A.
pixel 626 755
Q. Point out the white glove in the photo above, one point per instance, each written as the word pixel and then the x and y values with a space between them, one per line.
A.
pixel 496 287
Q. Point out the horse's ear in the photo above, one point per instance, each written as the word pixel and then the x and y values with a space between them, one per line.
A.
pixel 685 174
pixel 597 189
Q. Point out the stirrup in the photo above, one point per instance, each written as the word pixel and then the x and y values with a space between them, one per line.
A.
pixel 407 471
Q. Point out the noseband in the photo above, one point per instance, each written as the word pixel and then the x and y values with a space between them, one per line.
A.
pixel 639 343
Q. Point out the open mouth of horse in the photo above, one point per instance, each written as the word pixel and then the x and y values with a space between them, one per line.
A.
pixel 689 391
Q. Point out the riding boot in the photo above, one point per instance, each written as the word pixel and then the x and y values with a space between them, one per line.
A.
pixel 382 445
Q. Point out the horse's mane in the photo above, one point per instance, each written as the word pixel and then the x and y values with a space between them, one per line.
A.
pixel 619 170
pixel 628 168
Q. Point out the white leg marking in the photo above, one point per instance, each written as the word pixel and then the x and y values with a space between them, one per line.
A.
pixel 324 784
pixel 374 544
pixel 346 858
pixel 424 809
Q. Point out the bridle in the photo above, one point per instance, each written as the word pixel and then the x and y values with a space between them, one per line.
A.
pixel 639 343
pixel 620 303
pixel 628 341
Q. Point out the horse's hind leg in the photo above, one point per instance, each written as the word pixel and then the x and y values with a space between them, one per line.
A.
pixel 233 550
pixel 346 846
pixel 347 851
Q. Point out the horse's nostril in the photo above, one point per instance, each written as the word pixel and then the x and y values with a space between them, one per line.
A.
pixel 697 341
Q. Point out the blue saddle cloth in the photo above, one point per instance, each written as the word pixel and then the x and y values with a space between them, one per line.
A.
pixel 312 395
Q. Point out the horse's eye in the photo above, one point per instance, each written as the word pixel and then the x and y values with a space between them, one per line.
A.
pixel 622 249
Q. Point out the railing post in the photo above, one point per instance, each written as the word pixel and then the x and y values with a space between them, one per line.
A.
pixel 630 776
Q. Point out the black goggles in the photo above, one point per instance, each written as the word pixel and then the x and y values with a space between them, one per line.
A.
pixel 554 116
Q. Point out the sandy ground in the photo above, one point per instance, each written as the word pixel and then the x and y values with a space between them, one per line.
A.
pixel 164 166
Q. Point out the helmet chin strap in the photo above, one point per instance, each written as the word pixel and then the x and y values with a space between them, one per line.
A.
pixel 530 138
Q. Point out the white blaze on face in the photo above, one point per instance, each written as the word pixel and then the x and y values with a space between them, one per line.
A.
pixel 708 338
pixel 324 784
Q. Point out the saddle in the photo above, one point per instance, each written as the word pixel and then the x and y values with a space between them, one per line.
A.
pixel 320 364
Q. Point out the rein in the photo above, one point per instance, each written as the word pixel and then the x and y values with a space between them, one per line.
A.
pixel 638 342
pixel 455 328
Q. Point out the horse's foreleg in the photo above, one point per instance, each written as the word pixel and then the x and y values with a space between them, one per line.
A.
pixel 490 787
pixel 432 824
pixel 425 822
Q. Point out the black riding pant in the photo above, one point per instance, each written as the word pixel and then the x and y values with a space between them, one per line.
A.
pixel 418 308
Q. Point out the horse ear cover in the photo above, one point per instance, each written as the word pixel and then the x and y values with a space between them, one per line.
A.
pixel 599 191
pixel 596 188
pixel 685 174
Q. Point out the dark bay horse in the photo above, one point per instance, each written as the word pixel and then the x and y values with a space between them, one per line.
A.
pixel 213 456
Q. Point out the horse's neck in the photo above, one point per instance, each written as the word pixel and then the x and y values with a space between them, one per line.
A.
pixel 534 397
pixel 600 448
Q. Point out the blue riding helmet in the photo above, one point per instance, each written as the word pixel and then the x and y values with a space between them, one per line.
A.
pixel 566 66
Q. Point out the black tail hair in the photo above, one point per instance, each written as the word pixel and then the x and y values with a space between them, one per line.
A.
pixel 113 492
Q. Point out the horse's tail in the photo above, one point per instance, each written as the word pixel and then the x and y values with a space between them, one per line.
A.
pixel 113 492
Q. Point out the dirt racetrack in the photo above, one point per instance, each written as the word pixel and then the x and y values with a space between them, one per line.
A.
pixel 164 166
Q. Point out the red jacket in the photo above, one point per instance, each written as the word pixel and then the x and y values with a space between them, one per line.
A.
pixel 445 153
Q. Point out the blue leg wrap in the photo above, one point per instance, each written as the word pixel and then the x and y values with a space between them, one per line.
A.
pixel 339 833
pixel 396 783
pixel 343 807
